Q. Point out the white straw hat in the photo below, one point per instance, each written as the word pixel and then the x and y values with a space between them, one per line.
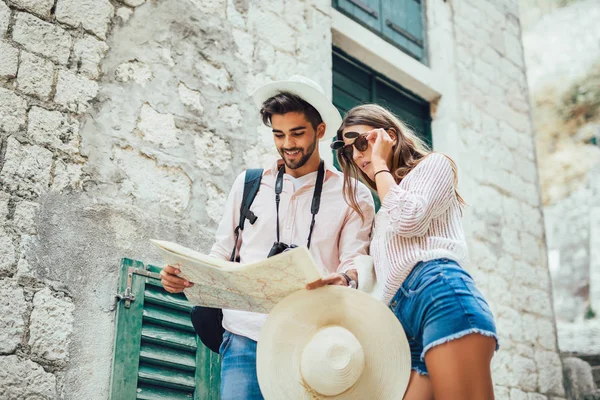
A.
pixel 309 91
pixel 334 343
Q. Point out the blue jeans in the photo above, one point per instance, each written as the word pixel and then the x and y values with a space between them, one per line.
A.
pixel 238 368
pixel 438 302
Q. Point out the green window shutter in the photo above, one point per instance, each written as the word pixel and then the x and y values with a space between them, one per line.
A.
pixel 157 354
pixel 367 12
pixel 402 22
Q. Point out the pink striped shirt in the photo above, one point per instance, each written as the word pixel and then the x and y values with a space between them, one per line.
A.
pixel 419 220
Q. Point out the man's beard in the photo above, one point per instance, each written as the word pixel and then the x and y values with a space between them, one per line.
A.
pixel 303 160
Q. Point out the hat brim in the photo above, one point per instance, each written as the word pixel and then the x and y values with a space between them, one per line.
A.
pixel 294 320
pixel 329 113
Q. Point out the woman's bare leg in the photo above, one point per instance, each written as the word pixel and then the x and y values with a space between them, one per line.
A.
pixel 460 369
pixel 419 387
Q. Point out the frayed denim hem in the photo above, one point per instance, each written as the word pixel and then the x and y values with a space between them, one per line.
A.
pixel 458 336
pixel 420 371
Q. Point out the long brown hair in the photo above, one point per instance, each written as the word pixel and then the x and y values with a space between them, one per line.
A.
pixel 408 151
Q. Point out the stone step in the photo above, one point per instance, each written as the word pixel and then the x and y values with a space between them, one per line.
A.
pixel 592 359
pixel 596 374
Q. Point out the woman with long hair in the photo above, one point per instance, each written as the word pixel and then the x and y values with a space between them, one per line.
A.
pixel 418 248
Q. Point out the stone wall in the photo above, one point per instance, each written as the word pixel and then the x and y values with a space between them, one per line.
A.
pixel 120 122
pixel 483 121
pixel 124 121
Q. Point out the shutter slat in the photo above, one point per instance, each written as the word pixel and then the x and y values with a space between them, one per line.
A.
pixel 149 392
pixel 156 295
pixel 165 377
pixel 168 317
pixel 168 337
pixel 167 357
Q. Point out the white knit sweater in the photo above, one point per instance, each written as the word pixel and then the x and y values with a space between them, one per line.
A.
pixel 419 220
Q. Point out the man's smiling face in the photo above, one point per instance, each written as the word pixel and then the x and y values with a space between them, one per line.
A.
pixel 295 139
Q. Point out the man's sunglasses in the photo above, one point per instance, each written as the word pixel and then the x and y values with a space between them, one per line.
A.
pixel 360 142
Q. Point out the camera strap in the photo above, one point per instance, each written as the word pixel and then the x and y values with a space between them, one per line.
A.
pixel 316 200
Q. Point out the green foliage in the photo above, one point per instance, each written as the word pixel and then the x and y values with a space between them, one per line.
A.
pixel 582 101
pixel 589 313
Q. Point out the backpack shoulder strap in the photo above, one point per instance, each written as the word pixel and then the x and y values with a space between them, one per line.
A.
pixel 251 187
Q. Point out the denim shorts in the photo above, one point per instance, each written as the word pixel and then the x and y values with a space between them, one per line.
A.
pixel 439 302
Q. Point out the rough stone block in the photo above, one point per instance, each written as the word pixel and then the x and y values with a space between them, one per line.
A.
pixel 151 184
pixel 93 15
pixel 530 335
pixel 87 54
pixel 51 326
pixel 39 7
pixel 9 62
pixel 26 169
pixel 13 111
pixel 12 308
pixel 124 13
pixel 4 199
pixel 36 76
pixel 74 91
pixel 216 8
pixel 24 217
pixel 190 98
pixel 516 394
pixel 546 333
pixel 579 379
pixel 536 396
pixel 54 129
pixel 133 71
pixel 158 128
pixel 501 392
pixel 4 18
pixel 211 151
pixel 7 253
pixel 211 75
pixel 66 175
pixel 24 379
pixel 134 3
pixel 525 369
pixel 42 37
pixel 550 373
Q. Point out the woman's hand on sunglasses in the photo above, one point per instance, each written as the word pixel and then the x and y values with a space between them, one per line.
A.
pixel 382 145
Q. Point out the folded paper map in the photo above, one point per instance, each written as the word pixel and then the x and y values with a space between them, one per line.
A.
pixel 256 287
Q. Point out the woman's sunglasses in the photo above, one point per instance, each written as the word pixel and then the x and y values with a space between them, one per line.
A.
pixel 360 142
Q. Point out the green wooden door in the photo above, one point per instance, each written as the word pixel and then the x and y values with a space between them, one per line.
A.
pixel 157 354
pixel 355 83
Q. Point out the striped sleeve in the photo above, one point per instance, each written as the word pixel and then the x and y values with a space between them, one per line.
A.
pixel 428 192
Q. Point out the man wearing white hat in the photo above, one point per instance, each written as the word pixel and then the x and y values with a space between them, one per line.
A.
pixel 300 115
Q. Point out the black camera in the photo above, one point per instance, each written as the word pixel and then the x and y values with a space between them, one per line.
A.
pixel 280 247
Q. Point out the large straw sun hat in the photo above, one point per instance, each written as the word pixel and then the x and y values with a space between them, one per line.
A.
pixel 332 343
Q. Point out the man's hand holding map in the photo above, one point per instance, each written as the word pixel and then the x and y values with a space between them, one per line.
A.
pixel 255 287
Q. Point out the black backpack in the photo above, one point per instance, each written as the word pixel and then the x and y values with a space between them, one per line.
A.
pixel 207 321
